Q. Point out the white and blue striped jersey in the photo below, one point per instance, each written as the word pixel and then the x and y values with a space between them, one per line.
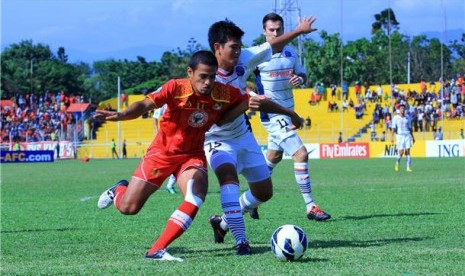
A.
pixel 401 125
pixel 248 61
pixel 159 111
pixel 275 75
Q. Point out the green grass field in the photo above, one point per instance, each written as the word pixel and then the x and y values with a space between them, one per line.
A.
pixel 384 223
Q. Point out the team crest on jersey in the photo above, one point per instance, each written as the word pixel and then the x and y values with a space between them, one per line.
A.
pixel 217 106
pixel 240 70
pixel 198 118
pixel 287 53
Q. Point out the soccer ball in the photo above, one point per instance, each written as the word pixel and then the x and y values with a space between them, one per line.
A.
pixel 289 243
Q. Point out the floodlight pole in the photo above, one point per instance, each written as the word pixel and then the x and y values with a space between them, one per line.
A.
pixel 341 70
pixel 119 122
pixel 408 60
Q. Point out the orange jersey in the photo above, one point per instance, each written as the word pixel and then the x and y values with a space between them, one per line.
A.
pixel 189 114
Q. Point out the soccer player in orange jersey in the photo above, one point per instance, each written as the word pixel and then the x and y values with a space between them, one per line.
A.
pixel 193 106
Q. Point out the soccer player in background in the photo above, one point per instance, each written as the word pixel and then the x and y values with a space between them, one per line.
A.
pixel 275 79
pixel 193 106
pixel 113 149
pixel 232 148
pixel 402 127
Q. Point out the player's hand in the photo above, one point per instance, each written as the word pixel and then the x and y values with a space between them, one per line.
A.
pixel 256 101
pixel 296 80
pixel 297 122
pixel 305 25
pixel 105 115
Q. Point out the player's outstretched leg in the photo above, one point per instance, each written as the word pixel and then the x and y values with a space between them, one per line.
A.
pixel 179 221
pixel 107 197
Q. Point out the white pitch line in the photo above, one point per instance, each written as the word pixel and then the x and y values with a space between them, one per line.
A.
pixel 87 198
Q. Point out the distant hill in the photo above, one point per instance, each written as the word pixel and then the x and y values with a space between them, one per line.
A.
pixel 449 35
pixel 149 52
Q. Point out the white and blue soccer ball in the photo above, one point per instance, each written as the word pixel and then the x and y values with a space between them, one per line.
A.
pixel 289 243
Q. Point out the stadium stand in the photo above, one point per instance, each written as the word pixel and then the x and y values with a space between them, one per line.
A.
pixel 354 122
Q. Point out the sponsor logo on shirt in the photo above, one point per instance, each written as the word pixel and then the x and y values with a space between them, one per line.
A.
pixel 285 73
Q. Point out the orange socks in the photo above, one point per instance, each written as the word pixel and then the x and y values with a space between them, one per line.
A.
pixel 178 223
pixel 119 192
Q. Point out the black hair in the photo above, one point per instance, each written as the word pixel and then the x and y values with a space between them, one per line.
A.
pixel 202 57
pixel 222 31
pixel 273 17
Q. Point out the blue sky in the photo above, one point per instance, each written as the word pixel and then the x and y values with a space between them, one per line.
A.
pixel 98 29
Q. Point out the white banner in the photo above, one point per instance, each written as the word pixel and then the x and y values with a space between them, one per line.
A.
pixel 445 148
pixel 312 149
pixel 64 151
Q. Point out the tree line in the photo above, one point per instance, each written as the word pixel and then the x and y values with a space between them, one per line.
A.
pixel 33 68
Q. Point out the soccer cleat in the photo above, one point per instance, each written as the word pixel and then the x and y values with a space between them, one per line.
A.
pixel 171 190
pixel 218 232
pixel 162 255
pixel 243 248
pixel 409 170
pixel 396 167
pixel 107 197
pixel 317 214
pixel 254 213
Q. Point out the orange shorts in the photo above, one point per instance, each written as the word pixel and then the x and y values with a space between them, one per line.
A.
pixel 156 167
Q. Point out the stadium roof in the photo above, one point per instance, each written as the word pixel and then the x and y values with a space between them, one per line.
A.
pixel 78 107
pixel 6 102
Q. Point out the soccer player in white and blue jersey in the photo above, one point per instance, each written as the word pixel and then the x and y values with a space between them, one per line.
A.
pixel 231 148
pixel 275 79
pixel 402 127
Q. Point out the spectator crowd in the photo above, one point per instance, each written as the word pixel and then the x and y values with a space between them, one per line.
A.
pixel 34 118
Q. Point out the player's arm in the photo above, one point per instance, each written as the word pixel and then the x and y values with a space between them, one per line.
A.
pixel 299 76
pixel 304 27
pixel 233 113
pixel 262 103
pixel 134 111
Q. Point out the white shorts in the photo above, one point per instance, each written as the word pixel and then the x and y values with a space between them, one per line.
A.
pixel 280 137
pixel 404 142
pixel 243 152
